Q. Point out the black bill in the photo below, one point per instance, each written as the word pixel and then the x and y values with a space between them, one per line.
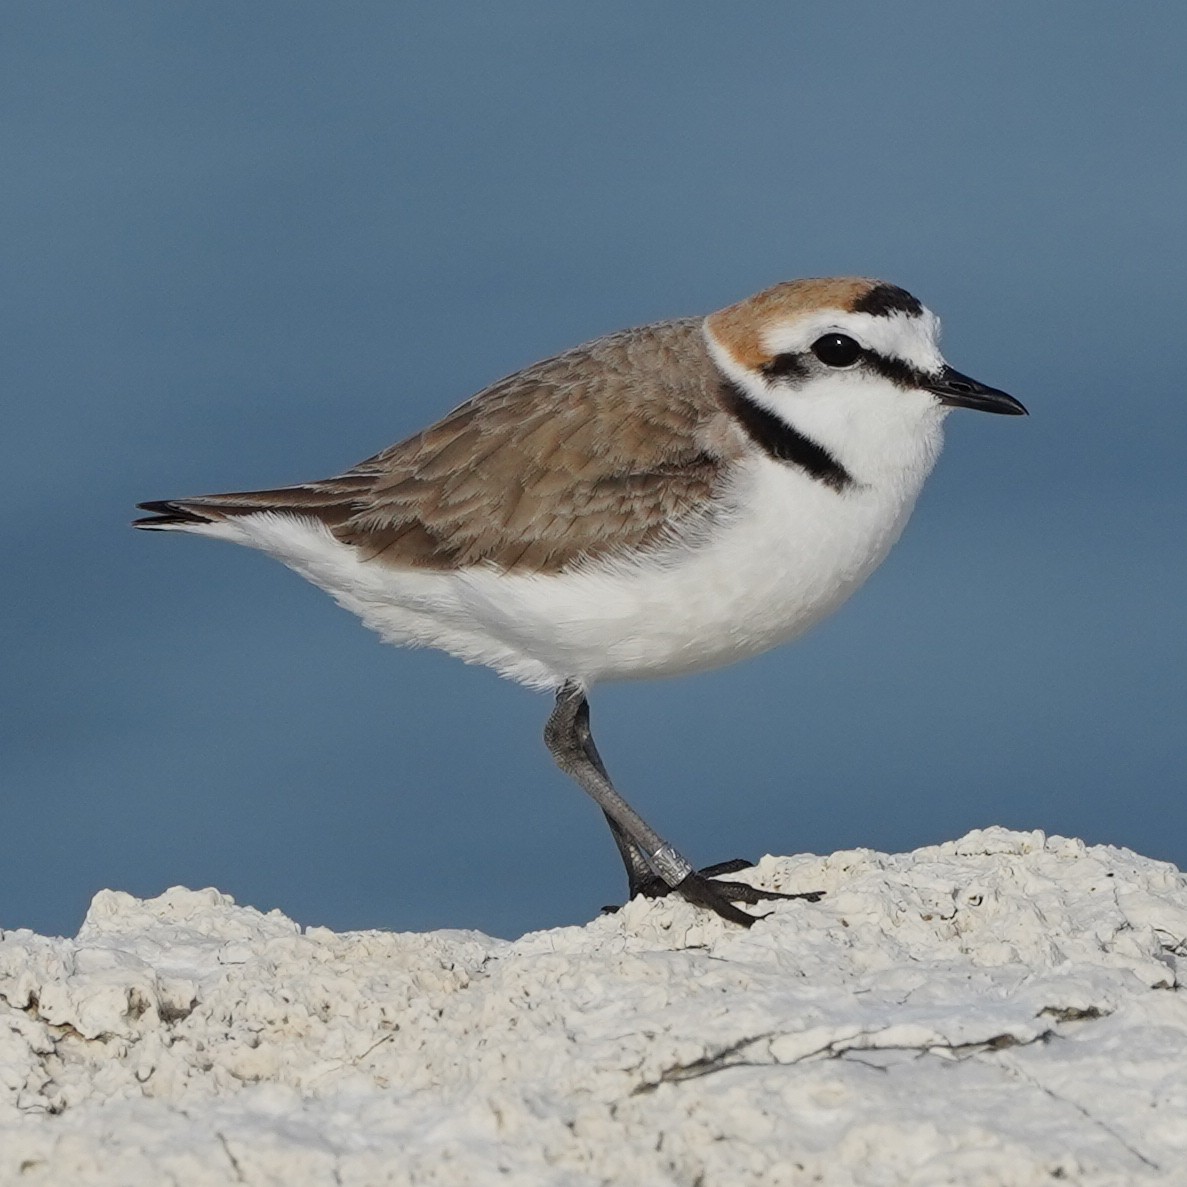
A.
pixel 960 391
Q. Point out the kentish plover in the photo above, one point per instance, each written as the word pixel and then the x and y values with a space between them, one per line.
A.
pixel 658 501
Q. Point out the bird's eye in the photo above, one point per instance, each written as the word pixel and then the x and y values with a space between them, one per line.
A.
pixel 836 350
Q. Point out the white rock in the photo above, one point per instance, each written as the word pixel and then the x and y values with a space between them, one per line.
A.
pixel 1004 1009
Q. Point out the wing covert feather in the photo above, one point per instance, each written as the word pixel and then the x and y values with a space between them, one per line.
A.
pixel 604 448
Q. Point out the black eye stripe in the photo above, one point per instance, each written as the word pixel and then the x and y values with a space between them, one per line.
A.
pixel 800 365
pixel 896 370
pixel 787 366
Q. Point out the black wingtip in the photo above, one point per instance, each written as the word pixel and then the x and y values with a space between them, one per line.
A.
pixel 167 515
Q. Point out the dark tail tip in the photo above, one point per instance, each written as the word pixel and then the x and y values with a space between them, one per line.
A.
pixel 168 515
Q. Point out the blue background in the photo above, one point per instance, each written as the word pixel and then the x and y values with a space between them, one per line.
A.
pixel 246 245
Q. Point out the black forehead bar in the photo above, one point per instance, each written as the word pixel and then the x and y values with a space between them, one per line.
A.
pixel 778 440
pixel 884 299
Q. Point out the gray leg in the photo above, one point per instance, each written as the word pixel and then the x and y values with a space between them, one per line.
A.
pixel 641 878
pixel 568 738
pixel 653 866
pixel 639 874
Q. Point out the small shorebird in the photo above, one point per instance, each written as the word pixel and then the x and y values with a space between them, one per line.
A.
pixel 662 500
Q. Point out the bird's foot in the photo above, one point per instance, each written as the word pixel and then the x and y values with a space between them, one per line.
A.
pixel 705 889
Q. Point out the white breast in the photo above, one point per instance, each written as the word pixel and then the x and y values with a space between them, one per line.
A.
pixel 789 551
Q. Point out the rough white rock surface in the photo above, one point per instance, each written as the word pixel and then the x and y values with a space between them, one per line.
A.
pixel 1000 1010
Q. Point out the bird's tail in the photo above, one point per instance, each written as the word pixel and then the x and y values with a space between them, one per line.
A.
pixel 333 502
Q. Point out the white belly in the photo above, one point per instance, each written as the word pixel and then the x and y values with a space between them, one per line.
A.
pixel 792 551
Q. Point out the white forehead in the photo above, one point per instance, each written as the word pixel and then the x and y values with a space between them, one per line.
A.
pixel 914 338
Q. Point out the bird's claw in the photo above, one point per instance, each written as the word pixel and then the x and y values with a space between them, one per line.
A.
pixel 705 889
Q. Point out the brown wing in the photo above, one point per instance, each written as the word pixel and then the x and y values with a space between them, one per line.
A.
pixel 605 448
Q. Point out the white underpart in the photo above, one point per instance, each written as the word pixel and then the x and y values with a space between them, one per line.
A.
pixel 784 551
